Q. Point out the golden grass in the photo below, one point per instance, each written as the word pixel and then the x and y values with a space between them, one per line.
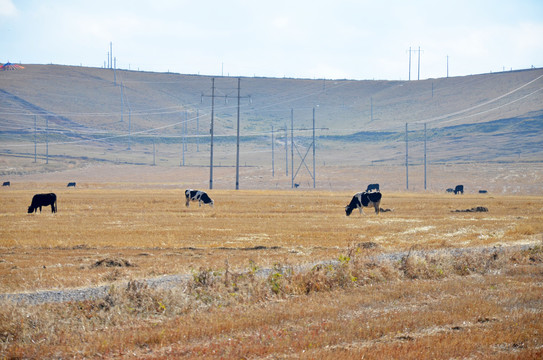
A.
pixel 426 305
pixel 152 229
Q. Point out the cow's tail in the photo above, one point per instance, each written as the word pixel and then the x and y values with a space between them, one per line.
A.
pixel 54 203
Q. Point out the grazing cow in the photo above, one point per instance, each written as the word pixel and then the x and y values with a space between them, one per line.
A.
pixel 6 183
pixel 40 200
pixel 459 189
pixel 71 184
pixel 197 195
pixel 450 190
pixel 372 187
pixel 483 191
pixel 364 199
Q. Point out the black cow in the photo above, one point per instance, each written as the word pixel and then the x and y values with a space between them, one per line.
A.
pixel 71 184
pixel 6 183
pixel 364 199
pixel 40 200
pixel 483 191
pixel 450 190
pixel 459 189
pixel 197 195
pixel 372 187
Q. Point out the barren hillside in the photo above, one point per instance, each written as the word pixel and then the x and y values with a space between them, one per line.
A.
pixel 56 118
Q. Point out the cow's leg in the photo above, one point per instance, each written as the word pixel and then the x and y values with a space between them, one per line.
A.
pixel 187 202
pixel 199 203
pixel 40 209
pixel 377 207
pixel 360 209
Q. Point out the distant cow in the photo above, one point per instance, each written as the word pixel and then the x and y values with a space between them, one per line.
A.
pixel 71 184
pixel 459 189
pixel 197 195
pixel 372 187
pixel 40 200
pixel 6 183
pixel 483 191
pixel 364 199
pixel 450 190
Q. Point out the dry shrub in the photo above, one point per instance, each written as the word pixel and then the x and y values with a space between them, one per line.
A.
pixel 531 255
pixel 10 326
pixel 318 279
pixel 209 287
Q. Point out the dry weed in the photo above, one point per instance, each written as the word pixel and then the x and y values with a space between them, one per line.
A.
pixel 361 299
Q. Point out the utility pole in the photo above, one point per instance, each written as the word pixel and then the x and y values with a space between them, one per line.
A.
pixel 35 140
pixel 303 157
pixel 122 101
pixel 47 140
pixel 115 71
pixel 183 130
pixel 237 141
pixel 424 156
pixel 111 54
pixel 292 147
pixel 211 132
pixel 418 75
pixel 314 175
pixel 286 149
pixel 410 63
pixel 273 155
pixel 198 130
pixel 129 126
pixel 406 160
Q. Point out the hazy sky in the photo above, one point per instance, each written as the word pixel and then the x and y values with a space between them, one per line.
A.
pixel 295 38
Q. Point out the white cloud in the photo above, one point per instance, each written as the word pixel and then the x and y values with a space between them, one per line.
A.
pixel 7 8
pixel 358 39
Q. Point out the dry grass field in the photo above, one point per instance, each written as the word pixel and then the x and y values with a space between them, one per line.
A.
pixel 428 301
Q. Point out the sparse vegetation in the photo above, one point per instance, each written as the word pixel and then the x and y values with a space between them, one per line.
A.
pixel 290 276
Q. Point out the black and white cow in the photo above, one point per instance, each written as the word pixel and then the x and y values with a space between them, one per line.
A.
pixel 364 199
pixel 197 195
pixel 40 200
pixel 372 187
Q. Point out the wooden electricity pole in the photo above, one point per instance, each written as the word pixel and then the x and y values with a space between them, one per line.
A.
pixel 406 160
pixel 211 132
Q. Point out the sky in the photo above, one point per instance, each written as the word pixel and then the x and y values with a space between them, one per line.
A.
pixel 315 39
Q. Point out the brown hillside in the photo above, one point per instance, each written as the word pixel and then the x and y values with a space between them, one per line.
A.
pixel 86 117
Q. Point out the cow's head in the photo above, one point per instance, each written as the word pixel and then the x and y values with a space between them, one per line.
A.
pixel 30 209
pixel 348 210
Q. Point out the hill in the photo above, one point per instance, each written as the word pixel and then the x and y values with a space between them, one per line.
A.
pixel 72 117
